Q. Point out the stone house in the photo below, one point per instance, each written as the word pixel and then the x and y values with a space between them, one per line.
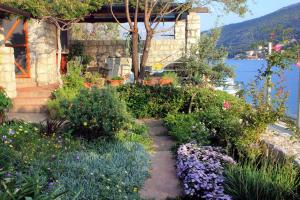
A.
pixel 28 53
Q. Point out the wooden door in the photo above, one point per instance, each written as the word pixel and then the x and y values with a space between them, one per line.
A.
pixel 16 36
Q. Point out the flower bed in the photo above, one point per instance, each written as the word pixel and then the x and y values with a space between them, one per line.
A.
pixel 201 170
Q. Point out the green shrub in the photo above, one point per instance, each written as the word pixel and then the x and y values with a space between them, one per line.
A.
pixel 152 101
pixel 61 97
pixel 74 78
pixel 136 133
pixel 5 104
pixel 97 112
pixel 186 128
pixel 73 82
pixel 103 171
pixel 266 180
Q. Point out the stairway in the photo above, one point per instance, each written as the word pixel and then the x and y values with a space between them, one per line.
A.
pixel 30 97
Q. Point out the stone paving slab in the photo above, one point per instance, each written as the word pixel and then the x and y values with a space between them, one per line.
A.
pixel 163 182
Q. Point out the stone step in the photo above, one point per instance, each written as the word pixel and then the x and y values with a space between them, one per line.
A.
pixel 25 83
pixel 33 94
pixel 28 109
pixel 30 101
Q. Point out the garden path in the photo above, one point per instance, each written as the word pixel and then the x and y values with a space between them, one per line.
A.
pixel 163 182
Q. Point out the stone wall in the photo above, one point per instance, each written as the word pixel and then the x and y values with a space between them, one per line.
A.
pixel 162 52
pixel 42 41
pixel 7 67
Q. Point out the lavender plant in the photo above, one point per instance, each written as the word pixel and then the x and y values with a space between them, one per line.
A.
pixel 201 170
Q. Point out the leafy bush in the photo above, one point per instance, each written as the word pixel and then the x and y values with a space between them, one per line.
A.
pixel 103 171
pixel 266 180
pixel 5 104
pixel 73 83
pixel 186 128
pixel 152 101
pixel 97 112
pixel 136 133
pixel 201 170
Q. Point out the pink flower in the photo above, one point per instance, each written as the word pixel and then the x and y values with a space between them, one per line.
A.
pixel 226 105
pixel 298 63
pixel 277 47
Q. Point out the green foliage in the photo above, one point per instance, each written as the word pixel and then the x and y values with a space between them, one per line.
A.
pixel 73 82
pixel 74 78
pixel 172 76
pixel 185 128
pixel 137 133
pixel 265 180
pixel 103 171
pixel 117 78
pixel 205 63
pixel 26 187
pixel 77 52
pixel 97 112
pixel 94 78
pixel 23 144
pixel 5 102
pixel 151 101
pixel 60 9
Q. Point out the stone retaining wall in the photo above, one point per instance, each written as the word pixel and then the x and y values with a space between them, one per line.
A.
pixel 162 52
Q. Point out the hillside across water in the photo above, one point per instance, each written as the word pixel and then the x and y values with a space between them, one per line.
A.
pixel 239 37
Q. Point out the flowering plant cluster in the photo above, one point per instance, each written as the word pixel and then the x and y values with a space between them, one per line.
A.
pixel 201 170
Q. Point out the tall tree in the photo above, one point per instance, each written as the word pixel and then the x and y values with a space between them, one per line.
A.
pixel 133 30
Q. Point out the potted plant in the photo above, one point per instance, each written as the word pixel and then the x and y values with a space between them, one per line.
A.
pixel 5 104
pixel 148 81
pixel 93 80
pixel 169 78
pixel 115 81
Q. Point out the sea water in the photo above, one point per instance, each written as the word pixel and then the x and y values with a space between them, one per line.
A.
pixel 247 70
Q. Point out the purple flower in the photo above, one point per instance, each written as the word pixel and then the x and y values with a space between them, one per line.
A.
pixel 201 169
pixel 11 132
pixel 4 138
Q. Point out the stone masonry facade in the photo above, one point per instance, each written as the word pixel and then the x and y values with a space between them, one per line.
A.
pixel 162 52
pixel 7 68
pixel 43 45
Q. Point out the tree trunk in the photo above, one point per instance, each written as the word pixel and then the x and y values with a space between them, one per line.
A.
pixel 135 53
pixel 145 55
pixel 58 33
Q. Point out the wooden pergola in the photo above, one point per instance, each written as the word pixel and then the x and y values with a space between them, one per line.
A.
pixel 104 14
pixel 4 10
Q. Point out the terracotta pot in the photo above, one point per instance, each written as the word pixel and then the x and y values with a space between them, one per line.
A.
pixel 87 85
pixel 115 82
pixel 165 81
pixel 148 82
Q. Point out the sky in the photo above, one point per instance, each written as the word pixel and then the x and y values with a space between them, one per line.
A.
pixel 258 8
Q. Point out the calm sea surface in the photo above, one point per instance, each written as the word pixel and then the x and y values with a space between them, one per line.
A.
pixel 246 70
